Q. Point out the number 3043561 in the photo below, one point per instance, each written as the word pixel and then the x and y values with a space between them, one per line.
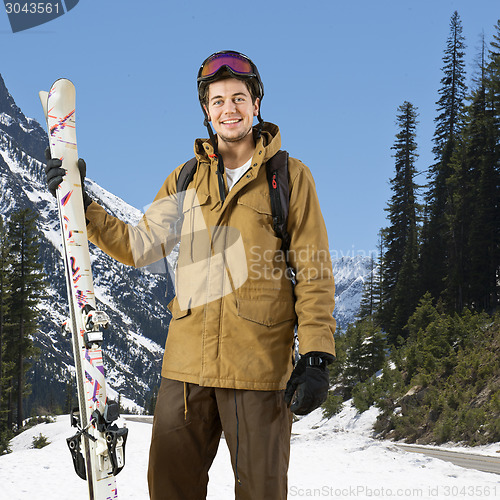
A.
pixel 32 8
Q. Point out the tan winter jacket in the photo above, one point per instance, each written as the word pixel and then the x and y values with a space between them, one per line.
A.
pixel 235 307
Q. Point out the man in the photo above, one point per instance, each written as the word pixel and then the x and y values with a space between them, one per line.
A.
pixel 229 350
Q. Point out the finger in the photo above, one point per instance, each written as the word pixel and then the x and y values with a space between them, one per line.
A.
pixel 298 404
pixel 82 166
pixel 54 184
pixel 52 164
pixel 47 153
pixel 55 173
pixel 289 392
pixel 302 409
pixel 306 401
pixel 298 408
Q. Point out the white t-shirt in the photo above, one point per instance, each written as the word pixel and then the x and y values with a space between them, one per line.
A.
pixel 233 175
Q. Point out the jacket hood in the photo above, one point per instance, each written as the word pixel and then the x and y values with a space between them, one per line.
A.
pixel 270 140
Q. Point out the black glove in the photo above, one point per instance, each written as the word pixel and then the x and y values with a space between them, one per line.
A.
pixel 309 382
pixel 55 176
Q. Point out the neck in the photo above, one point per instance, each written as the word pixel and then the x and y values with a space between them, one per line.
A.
pixel 237 153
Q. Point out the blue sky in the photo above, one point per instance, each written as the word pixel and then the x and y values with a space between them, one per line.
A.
pixel 334 75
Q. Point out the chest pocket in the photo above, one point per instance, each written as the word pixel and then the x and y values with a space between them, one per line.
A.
pixel 194 236
pixel 192 202
pixel 257 201
pixel 256 215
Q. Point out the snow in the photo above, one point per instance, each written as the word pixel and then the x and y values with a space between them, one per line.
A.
pixel 27 130
pixel 6 119
pixel 122 210
pixel 148 344
pixel 126 403
pixel 336 458
pixel 350 274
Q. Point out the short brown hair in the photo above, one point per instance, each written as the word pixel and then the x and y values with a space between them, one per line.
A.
pixel 226 76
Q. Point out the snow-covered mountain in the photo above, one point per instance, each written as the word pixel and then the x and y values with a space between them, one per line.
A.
pixel 350 274
pixel 134 299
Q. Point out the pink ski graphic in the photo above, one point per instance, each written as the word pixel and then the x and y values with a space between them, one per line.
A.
pixel 65 198
pixel 62 123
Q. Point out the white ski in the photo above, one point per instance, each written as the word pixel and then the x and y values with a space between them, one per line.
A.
pixel 98 447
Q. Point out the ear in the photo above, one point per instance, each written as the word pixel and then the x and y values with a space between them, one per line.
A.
pixel 256 107
pixel 206 111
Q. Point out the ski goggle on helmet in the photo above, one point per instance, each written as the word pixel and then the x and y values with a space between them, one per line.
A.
pixel 235 64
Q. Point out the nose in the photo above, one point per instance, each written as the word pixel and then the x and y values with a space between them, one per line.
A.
pixel 229 107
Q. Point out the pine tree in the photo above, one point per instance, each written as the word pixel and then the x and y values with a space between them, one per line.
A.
pixel 400 260
pixel 5 366
pixel 381 311
pixel 460 185
pixel 365 347
pixel 27 284
pixel 151 400
pixel 493 76
pixel 487 211
pixel 435 237
pixel 473 217
pixel 369 300
pixel 452 92
pixel 69 396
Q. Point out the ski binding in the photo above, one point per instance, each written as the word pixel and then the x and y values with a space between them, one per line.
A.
pixel 110 449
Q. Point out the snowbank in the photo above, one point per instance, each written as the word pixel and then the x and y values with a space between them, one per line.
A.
pixel 336 458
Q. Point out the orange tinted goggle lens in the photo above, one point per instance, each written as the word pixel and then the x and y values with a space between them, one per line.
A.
pixel 236 63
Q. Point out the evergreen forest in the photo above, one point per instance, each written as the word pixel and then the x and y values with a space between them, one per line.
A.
pixel 426 346
pixel 22 285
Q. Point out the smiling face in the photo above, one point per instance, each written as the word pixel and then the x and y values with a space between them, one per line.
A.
pixel 230 109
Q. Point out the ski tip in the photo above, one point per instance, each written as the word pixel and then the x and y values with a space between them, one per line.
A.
pixel 43 99
pixel 62 82
pixel 64 87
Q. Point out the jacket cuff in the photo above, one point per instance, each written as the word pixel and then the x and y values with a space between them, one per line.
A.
pixel 325 356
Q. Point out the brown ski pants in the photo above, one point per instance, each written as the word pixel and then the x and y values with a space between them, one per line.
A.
pixel 187 428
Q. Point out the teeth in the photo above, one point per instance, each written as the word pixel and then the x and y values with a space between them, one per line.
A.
pixel 231 121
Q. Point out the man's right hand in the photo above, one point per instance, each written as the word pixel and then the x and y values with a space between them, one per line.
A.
pixel 55 175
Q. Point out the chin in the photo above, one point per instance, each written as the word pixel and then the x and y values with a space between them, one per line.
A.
pixel 233 138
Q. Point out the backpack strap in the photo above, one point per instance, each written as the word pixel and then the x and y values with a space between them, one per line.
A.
pixel 277 177
pixel 186 174
pixel 185 177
